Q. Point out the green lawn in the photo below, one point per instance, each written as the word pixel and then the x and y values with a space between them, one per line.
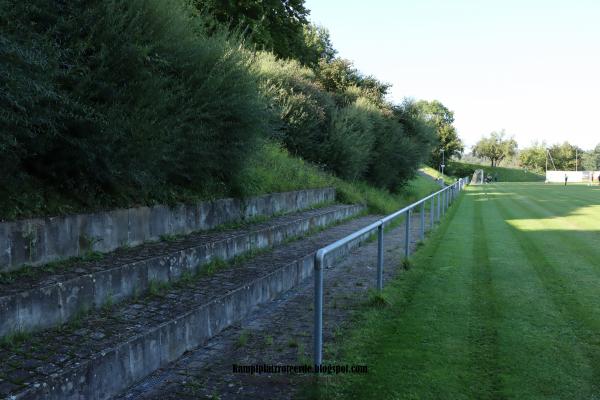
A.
pixel 503 302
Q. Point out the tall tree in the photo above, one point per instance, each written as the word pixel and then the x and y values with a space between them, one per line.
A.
pixel 590 161
pixel 273 25
pixel 495 147
pixel 534 157
pixel 317 46
pixel 442 119
pixel 337 75
pixel 564 156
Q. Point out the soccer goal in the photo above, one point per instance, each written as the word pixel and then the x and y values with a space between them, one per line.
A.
pixel 478 177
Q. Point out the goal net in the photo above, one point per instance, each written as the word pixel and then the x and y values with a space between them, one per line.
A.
pixel 478 177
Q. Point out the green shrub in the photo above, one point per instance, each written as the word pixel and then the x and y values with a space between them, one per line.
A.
pixel 350 140
pixel 301 108
pixel 145 98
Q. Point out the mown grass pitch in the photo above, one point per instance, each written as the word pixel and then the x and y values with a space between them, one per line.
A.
pixel 502 302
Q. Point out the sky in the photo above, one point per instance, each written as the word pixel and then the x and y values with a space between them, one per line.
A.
pixel 529 67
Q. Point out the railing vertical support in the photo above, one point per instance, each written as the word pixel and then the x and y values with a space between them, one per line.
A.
pixel 422 221
pixel 443 201
pixel 380 257
pixel 439 206
pixel 407 234
pixel 318 334
pixel 432 213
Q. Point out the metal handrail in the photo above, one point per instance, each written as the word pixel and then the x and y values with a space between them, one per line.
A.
pixel 448 193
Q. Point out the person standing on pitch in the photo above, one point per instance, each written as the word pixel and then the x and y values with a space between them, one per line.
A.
pixel 566 179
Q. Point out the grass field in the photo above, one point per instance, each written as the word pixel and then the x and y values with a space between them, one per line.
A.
pixel 503 302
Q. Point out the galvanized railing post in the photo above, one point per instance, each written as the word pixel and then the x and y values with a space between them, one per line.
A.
pixel 318 333
pixel 438 207
pixel 407 234
pixel 380 257
pixel 432 213
pixel 444 202
pixel 422 221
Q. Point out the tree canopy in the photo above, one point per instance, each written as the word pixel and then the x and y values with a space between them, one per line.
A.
pixel 590 160
pixel 496 147
pixel 280 26
pixel 442 119
pixel 534 157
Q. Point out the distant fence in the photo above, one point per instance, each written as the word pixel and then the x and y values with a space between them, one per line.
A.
pixel 438 203
pixel 572 176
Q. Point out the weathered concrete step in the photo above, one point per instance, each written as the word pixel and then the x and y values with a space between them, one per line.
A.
pixel 279 332
pixel 111 349
pixel 43 240
pixel 45 298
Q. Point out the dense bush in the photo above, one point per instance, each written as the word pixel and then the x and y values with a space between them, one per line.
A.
pixel 302 110
pixel 349 143
pixel 121 102
pixel 349 129
pixel 98 95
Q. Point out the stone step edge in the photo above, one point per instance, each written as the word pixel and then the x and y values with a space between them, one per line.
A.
pixel 56 303
pixel 41 240
pixel 116 368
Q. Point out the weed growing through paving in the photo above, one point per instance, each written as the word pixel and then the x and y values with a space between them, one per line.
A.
pixel 11 341
pixel 378 299
pixel 269 340
pixel 109 302
pixel 194 385
pixel 406 264
pixel 169 237
pixel 158 288
pixel 242 340
pixel 303 358
pixel 32 272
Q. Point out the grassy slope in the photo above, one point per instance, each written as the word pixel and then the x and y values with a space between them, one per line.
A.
pixel 436 174
pixel 469 322
pixel 504 174
pixel 272 170
pixel 275 171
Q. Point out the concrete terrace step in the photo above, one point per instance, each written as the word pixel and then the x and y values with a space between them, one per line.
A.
pixel 279 332
pixel 42 240
pixel 43 297
pixel 110 349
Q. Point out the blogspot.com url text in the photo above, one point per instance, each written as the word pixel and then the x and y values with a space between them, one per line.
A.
pixel 257 369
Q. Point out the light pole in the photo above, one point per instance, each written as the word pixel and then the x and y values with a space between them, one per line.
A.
pixel 443 164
